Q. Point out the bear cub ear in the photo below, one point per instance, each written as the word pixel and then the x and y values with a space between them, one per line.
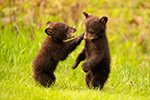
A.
pixel 86 14
pixel 104 19
pixel 48 24
pixel 48 31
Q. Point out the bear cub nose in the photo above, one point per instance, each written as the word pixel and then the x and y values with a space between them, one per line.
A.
pixel 74 29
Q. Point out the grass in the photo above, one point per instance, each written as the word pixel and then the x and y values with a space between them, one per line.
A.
pixel 130 72
pixel 129 77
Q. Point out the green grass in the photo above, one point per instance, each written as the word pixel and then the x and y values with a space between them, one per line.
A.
pixel 129 78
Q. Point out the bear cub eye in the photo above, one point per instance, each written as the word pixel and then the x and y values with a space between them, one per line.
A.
pixel 66 29
pixel 91 32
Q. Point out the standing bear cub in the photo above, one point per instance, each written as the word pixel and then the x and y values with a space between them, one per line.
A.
pixel 96 51
pixel 53 50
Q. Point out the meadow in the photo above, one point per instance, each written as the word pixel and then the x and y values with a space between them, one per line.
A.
pixel 128 32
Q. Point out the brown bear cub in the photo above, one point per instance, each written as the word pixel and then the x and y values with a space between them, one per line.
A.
pixel 54 49
pixel 96 51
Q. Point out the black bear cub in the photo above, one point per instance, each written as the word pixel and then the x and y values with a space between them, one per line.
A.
pixel 96 51
pixel 54 49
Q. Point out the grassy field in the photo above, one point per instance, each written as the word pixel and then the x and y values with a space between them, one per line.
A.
pixel 128 34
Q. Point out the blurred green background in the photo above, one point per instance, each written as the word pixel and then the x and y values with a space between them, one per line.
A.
pixel 22 25
pixel 128 20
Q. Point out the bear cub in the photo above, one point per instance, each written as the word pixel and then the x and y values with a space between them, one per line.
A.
pixel 96 51
pixel 54 49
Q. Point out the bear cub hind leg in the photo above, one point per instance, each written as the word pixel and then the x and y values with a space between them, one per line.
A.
pixel 88 77
pixel 99 79
pixel 45 78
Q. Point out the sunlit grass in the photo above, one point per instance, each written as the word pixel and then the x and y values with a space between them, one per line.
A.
pixel 129 77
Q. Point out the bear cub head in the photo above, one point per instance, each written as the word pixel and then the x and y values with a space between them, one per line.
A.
pixel 59 31
pixel 94 26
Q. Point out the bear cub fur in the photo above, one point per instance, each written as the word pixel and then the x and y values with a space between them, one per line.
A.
pixel 96 51
pixel 54 49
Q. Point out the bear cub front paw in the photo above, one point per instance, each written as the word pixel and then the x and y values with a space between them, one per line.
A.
pixel 85 67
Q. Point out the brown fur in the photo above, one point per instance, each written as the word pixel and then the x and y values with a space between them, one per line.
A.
pixel 53 50
pixel 96 51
